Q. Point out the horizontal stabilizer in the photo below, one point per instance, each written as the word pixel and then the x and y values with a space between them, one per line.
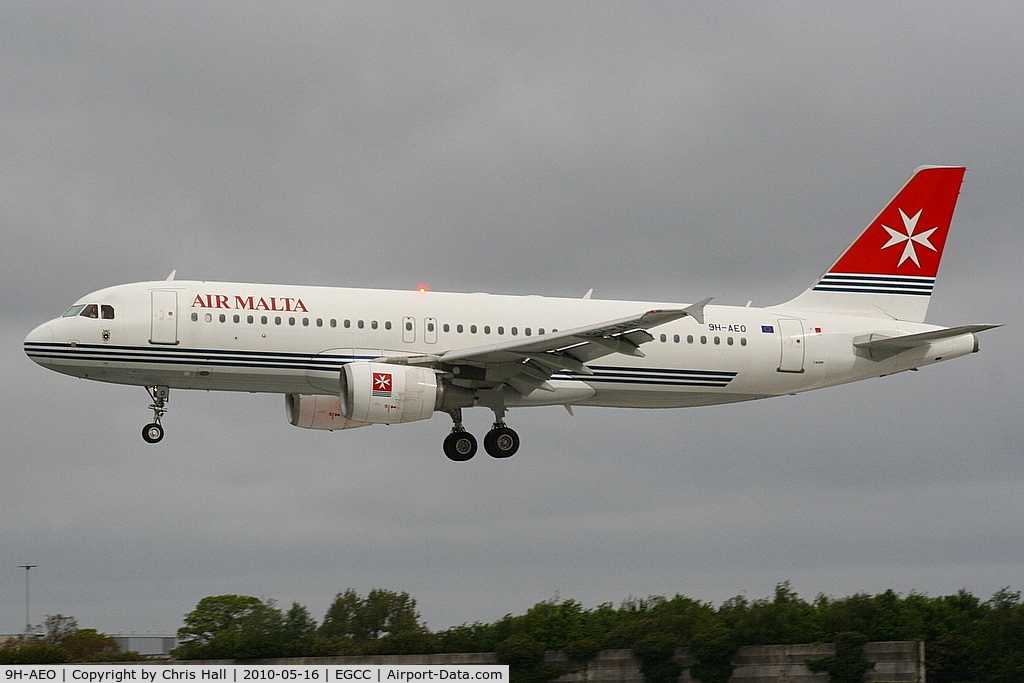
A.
pixel 887 346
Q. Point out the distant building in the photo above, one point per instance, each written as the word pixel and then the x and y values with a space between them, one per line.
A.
pixel 149 644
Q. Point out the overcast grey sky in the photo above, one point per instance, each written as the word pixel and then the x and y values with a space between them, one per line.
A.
pixel 659 151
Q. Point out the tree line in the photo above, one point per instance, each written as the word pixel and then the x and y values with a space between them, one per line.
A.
pixel 58 640
pixel 967 639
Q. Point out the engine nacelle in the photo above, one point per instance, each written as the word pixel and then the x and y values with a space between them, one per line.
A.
pixel 318 412
pixel 383 393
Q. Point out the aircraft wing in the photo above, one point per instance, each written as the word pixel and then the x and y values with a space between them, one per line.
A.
pixel 526 363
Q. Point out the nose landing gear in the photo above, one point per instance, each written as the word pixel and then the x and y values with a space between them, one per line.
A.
pixel 154 431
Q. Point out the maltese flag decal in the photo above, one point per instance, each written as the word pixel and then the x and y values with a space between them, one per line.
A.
pixel 382 384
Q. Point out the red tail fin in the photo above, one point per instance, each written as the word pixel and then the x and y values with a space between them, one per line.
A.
pixel 890 269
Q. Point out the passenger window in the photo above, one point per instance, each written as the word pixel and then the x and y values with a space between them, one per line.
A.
pixel 472 329
pixel 107 312
pixel 501 329
pixel 195 316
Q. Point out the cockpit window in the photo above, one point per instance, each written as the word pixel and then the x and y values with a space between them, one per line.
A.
pixel 104 311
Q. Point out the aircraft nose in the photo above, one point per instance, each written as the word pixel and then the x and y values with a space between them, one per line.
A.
pixel 35 339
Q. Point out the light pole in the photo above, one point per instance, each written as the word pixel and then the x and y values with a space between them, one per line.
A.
pixel 28 623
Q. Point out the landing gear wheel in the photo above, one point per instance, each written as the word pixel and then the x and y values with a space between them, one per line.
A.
pixel 460 446
pixel 501 442
pixel 152 433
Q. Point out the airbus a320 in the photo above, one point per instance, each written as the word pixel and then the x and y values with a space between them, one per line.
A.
pixel 346 358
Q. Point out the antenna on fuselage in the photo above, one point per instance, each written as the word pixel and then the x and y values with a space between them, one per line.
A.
pixel 171 276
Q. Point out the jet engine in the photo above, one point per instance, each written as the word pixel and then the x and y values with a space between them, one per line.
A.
pixel 318 412
pixel 385 393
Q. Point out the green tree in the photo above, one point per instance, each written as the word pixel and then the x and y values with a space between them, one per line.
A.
pixel 524 655
pixel 57 627
pixel 342 616
pixel 298 632
pixel 713 649
pixel 387 612
pixel 656 653
pixel 89 645
pixel 848 664
pixel 363 620
pixel 231 627
pixel 62 641
pixel 31 651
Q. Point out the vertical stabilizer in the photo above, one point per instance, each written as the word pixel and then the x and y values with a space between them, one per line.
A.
pixel 890 270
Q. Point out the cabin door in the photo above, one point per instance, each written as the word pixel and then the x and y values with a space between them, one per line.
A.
pixel 164 328
pixel 791 358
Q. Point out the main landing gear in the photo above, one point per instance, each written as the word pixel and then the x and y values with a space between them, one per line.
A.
pixel 500 442
pixel 154 431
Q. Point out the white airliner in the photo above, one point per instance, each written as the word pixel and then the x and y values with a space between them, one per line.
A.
pixel 348 358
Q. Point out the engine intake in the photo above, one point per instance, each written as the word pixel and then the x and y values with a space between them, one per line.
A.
pixel 385 393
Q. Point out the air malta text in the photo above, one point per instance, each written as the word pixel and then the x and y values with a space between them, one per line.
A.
pixel 285 304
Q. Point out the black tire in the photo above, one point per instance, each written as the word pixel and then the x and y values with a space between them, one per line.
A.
pixel 460 446
pixel 501 442
pixel 152 433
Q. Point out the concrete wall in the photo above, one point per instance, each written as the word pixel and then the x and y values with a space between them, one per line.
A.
pixel 895 662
